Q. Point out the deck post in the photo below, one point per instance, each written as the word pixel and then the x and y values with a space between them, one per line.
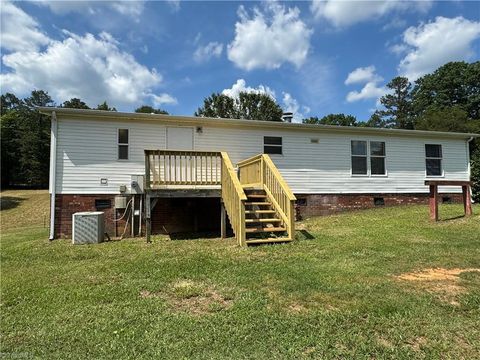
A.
pixel 148 220
pixel 433 201
pixel 223 221
pixel 467 201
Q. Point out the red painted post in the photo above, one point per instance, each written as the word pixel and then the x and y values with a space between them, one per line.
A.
pixel 433 201
pixel 467 201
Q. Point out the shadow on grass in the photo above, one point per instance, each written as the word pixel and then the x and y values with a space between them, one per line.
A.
pixel 305 235
pixel 451 218
pixel 10 202
pixel 195 235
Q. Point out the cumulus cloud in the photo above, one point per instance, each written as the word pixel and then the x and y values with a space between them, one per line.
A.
pixel 371 89
pixel 205 53
pixel 433 44
pixel 347 13
pixel 19 31
pixel 241 86
pixel 174 5
pixel 269 38
pixel 290 104
pixel 90 67
pixel 130 8
pixel 363 75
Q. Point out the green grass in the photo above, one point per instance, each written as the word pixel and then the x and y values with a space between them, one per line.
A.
pixel 333 293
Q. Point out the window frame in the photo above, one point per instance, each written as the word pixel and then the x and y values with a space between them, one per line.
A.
pixel 123 144
pixel 280 146
pixel 368 156
pixel 360 156
pixel 442 171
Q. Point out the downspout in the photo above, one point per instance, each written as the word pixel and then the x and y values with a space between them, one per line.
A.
pixel 53 173
pixel 469 169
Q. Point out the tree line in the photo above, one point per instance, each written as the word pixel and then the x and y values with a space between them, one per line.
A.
pixel 446 100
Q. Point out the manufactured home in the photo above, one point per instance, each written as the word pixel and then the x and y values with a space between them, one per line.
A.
pixel 154 173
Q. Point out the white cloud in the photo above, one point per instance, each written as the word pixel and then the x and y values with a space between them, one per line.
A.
pixel 130 8
pixel 174 5
pixel 433 44
pixel 371 89
pixel 241 86
pixel 205 53
pixel 363 75
pixel 89 67
pixel 270 38
pixel 291 104
pixel 19 31
pixel 347 13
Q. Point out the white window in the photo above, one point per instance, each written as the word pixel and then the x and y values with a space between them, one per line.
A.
pixel 272 145
pixel 365 153
pixel 433 159
pixel 122 144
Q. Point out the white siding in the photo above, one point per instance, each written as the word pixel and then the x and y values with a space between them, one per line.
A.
pixel 87 152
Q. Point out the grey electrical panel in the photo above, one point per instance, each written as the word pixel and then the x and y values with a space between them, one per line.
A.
pixel 137 184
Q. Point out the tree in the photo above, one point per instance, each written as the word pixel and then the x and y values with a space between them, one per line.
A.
pixel 475 172
pixel 104 106
pixel 375 121
pixel 453 119
pixel 252 106
pixel 75 103
pixel 453 84
pixel 333 119
pixel 9 102
pixel 146 109
pixel 398 105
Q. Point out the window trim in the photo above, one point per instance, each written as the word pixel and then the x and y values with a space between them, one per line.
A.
pixel 368 156
pixel 434 158
pixel 119 143
pixel 274 145
pixel 378 156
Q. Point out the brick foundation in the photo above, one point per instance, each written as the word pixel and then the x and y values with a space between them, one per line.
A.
pixel 327 204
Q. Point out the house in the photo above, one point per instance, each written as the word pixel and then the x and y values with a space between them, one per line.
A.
pixel 167 174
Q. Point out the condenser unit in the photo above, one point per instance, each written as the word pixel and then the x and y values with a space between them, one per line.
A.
pixel 88 227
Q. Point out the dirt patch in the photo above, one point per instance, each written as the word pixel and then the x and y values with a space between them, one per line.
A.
pixel 445 283
pixel 297 308
pixel 417 343
pixel 192 297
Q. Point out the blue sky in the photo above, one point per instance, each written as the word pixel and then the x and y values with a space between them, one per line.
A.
pixel 314 58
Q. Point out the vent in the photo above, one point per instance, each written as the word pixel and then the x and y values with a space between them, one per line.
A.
pixel 88 227
pixel 101 204
pixel 446 200
pixel 302 201
pixel 379 201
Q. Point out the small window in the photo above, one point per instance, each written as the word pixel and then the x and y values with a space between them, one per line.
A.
pixel 377 158
pixel 272 145
pixel 101 204
pixel 433 160
pixel 123 144
pixel 359 157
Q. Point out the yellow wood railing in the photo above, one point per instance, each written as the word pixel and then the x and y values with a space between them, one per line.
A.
pixel 233 198
pixel 176 167
pixel 260 171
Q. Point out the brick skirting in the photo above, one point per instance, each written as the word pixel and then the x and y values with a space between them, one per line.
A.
pixel 327 204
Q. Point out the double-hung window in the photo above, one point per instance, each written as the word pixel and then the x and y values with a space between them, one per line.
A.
pixel 272 145
pixel 368 158
pixel 433 160
pixel 122 144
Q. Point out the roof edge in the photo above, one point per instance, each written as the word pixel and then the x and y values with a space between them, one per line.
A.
pixel 245 123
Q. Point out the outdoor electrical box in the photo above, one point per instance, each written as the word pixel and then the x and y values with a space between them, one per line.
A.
pixel 136 186
pixel 120 202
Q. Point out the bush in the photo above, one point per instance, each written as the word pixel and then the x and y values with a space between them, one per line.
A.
pixel 475 172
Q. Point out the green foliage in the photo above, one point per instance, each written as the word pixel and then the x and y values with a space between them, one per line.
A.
pixel 475 171
pixel 146 109
pixel 453 84
pixel 397 104
pixel 25 136
pixel 375 121
pixel 251 106
pixel 453 119
pixel 104 106
pixel 333 119
pixel 75 103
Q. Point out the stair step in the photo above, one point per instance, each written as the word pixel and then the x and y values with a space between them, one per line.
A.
pixel 269 240
pixel 256 196
pixel 252 188
pixel 262 220
pixel 264 229
pixel 259 203
pixel 259 211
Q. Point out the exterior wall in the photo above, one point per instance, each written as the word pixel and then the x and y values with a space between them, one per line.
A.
pixel 327 204
pixel 87 152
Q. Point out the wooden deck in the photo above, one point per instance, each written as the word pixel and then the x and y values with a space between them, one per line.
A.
pixel 256 199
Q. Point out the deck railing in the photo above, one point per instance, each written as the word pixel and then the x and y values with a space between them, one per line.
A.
pixel 260 171
pixel 178 167
pixel 233 198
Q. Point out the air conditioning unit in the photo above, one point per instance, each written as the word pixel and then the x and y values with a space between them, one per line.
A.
pixel 88 227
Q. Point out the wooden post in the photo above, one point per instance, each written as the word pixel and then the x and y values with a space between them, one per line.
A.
pixel 223 221
pixel 433 203
pixel 467 201
pixel 148 220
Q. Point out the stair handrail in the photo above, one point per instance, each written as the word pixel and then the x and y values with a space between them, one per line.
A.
pixel 233 198
pixel 260 170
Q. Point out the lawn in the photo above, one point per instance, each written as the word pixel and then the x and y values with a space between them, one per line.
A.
pixel 382 283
